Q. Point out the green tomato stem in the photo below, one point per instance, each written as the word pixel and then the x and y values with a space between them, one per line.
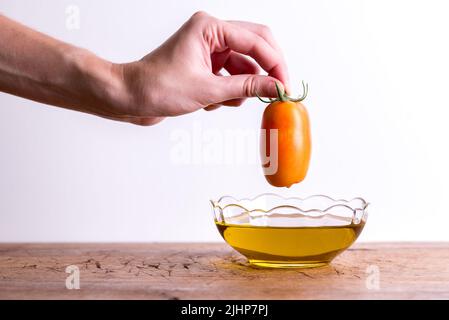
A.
pixel 282 96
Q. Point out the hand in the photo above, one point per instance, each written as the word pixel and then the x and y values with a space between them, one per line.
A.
pixel 183 74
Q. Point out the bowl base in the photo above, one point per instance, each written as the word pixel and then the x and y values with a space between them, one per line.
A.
pixel 287 264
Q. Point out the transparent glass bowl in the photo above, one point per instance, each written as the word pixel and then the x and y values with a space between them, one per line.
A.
pixel 273 231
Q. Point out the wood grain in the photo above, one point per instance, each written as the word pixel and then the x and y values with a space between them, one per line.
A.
pixel 214 271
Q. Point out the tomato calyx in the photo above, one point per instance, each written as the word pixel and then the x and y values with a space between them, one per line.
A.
pixel 282 96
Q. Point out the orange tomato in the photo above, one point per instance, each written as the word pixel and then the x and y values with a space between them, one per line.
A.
pixel 290 163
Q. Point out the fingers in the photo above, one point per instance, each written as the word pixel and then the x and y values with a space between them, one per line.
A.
pixel 244 41
pixel 260 30
pixel 233 102
pixel 244 82
pixel 212 107
pixel 235 64
pixel 266 34
pixel 243 86
pixel 239 64
pixel 219 59
pixel 228 103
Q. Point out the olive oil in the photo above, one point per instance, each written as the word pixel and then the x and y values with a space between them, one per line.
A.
pixel 283 247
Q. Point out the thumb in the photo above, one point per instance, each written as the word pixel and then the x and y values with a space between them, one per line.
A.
pixel 245 85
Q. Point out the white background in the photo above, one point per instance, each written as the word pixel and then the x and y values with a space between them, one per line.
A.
pixel 378 74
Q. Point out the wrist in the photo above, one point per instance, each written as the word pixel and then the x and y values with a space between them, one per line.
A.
pixel 100 83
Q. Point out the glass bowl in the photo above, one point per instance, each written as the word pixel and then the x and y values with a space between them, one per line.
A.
pixel 273 231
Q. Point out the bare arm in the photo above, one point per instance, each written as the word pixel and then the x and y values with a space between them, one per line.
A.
pixel 180 76
pixel 38 67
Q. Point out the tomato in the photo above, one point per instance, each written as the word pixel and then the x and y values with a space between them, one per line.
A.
pixel 290 163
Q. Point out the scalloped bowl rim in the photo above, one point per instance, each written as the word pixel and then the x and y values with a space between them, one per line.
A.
pixel 345 204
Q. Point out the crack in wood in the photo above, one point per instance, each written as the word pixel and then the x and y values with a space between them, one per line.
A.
pixel 337 271
pixel 306 274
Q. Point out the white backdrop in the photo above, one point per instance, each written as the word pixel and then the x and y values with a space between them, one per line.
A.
pixel 378 74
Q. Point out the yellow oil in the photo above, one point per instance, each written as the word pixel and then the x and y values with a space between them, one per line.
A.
pixel 289 246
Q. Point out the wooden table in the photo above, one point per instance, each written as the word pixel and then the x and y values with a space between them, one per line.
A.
pixel 214 271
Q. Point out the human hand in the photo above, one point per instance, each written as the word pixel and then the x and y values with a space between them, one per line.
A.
pixel 183 74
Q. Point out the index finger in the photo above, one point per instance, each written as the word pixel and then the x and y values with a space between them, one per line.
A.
pixel 265 33
pixel 249 43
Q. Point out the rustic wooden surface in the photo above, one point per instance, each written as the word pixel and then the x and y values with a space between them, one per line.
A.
pixel 214 271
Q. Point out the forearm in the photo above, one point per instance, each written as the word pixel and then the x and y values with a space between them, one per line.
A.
pixel 38 67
